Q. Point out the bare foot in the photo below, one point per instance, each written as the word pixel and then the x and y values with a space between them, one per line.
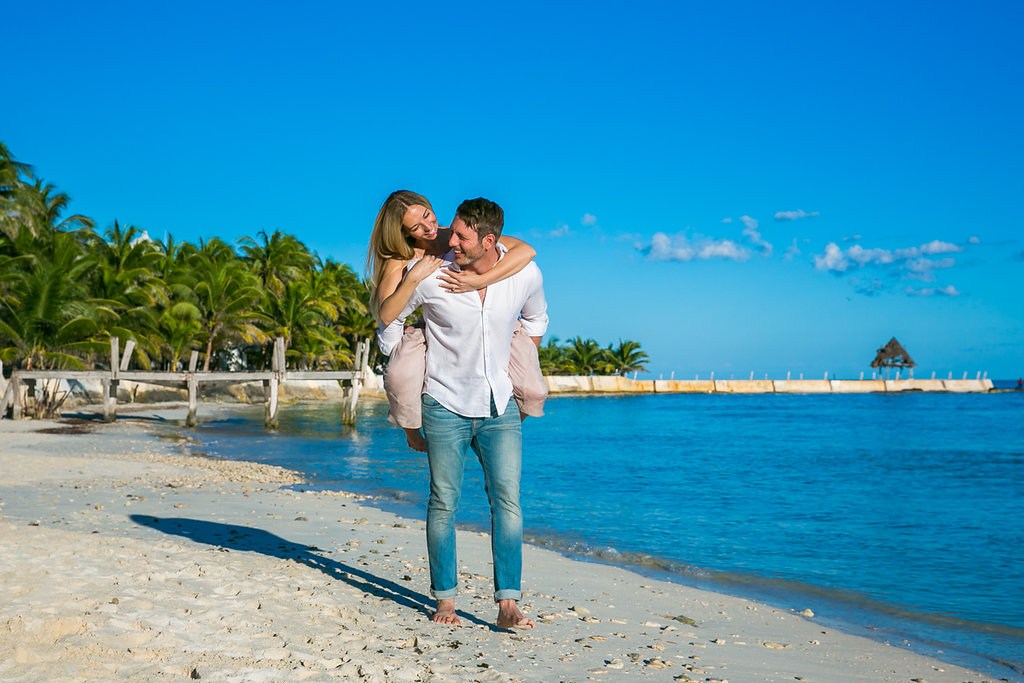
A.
pixel 445 613
pixel 509 616
pixel 415 439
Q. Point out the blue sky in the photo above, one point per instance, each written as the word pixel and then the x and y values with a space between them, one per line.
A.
pixel 741 187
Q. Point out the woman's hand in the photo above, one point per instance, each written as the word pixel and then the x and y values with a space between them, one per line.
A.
pixel 457 282
pixel 422 268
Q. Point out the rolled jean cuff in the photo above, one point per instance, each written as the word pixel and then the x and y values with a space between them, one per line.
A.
pixel 508 594
pixel 444 595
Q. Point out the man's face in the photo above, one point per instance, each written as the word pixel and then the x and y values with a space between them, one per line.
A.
pixel 466 243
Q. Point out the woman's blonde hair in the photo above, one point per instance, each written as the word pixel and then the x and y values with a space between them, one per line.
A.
pixel 389 239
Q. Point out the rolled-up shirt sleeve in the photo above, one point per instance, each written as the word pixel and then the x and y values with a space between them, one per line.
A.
pixel 535 309
pixel 388 336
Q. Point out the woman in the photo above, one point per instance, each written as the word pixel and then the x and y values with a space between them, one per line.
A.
pixel 406 229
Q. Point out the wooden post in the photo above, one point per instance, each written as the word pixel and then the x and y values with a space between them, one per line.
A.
pixel 5 400
pixel 110 385
pixel 193 399
pixel 193 361
pixel 271 387
pixel 348 414
pixel 109 399
pixel 30 395
pixel 15 388
pixel 127 357
pixel 270 395
pixel 115 356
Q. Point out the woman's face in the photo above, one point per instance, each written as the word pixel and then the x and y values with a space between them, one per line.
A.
pixel 420 223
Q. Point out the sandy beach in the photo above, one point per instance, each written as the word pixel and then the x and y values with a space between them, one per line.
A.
pixel 125 559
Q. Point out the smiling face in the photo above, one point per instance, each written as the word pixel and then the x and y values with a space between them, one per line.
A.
pixel 467 245
pixel 420 223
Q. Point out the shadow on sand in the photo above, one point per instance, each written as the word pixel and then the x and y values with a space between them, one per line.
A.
pixel 234 537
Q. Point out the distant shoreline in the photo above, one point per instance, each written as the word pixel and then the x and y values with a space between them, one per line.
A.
pixel 616 384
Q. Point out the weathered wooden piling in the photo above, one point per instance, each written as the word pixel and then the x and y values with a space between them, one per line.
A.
pixel 22 380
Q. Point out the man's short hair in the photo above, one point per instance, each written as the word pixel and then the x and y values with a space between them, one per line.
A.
pixel 482 215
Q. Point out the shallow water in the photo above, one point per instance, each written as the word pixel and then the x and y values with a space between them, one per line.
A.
pixel 902 513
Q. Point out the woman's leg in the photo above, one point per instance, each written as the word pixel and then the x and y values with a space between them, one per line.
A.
pixel 403 384
pixel 528 384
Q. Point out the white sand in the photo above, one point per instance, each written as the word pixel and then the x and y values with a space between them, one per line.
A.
pixel 239 579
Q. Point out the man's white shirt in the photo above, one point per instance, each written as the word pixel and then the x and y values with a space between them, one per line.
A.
pixel 468 340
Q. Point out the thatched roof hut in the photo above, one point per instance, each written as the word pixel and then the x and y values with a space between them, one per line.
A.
pixel 892 355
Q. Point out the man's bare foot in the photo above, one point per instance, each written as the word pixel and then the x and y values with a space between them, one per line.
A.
pixel 414 438
pixel 509 616
pixel 445 613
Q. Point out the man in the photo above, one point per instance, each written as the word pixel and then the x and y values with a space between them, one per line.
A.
pixel 467 402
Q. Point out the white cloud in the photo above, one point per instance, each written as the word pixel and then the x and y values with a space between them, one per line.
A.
pixel 589 219
pixel 924 267
pixel 918 263
pixel 751 233
pixel 865 256
pixel 754 236
pixel 948 290
pixel 937 247
pixel 727 220
pixel 974 240
pixel 722 249
pixel 831 259
pixel 680 247
pixel 794 215
pixel 792 251
pixel 883 257
pixel 561 231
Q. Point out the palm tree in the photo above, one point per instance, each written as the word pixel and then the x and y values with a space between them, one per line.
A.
pixel 627 357
pixel 226 295
pixel 177 327
pixel 552 358
pixel 47 320
pixel 43 207
pixel 127 281
pixel 301 319
pixel 276 259
pixel 354 322
pixel 13 177
pixel 585 357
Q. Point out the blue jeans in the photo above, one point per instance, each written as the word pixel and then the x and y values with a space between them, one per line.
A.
pixel 498 444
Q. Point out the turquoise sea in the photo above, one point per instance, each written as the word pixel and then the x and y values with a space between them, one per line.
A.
pixel 897 516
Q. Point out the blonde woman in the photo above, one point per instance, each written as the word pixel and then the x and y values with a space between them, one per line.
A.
pixel 406 229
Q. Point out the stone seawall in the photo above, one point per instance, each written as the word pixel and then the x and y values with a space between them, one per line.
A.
pixel 624 385
pixel 87 392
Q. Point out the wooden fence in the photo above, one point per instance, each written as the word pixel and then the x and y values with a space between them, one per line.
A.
pixel 190 380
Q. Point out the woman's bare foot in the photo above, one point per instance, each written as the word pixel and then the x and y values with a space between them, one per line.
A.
pixel 414 438
pixel 445 613
pixel 509 616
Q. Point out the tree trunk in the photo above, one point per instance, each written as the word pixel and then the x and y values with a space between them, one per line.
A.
pixel 209 352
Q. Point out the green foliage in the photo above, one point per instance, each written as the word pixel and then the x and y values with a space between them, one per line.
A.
pixel 586 357
pixel 65 290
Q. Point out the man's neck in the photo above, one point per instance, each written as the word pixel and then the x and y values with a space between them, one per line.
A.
pixel 484 263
